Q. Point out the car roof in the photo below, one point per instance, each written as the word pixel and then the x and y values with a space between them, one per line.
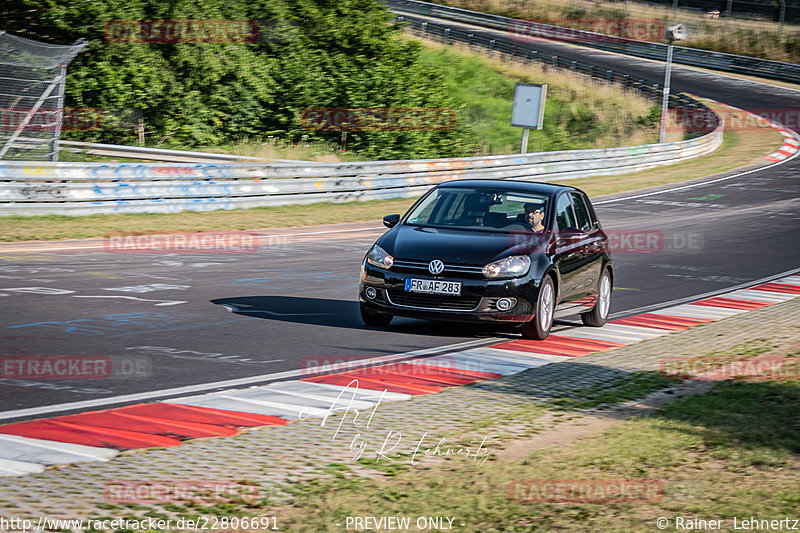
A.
pixel 509 185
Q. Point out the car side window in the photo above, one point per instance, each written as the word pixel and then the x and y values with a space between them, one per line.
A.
pixel 582 214
pixel 564 214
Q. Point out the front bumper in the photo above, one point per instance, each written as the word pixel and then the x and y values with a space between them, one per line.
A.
pixel 477 302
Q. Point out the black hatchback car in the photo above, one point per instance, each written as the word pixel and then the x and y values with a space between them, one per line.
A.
pixel 491 250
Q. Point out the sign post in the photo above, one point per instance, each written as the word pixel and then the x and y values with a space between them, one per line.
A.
pixel 528 109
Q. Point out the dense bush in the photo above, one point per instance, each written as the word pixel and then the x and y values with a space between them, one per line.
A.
pixel 310 53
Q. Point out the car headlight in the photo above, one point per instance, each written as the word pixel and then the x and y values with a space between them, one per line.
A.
pixel 510 267
pixel 378 257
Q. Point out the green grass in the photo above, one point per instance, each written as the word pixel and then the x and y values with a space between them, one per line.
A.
pixel 578 113
pixel 730 452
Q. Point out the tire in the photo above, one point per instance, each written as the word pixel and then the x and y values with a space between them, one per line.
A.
pixel 371 318
pixel 539 328
pixel 599 313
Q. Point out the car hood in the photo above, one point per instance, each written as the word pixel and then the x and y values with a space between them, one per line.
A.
pixel 449 245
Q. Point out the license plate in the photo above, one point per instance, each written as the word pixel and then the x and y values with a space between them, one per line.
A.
pixel 433 286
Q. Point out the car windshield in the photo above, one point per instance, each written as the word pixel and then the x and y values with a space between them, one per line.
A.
pixel 476 209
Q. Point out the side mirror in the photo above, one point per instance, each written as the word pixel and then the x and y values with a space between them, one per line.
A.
pixel 391 221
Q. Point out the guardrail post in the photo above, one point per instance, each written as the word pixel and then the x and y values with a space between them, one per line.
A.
pixel 447 35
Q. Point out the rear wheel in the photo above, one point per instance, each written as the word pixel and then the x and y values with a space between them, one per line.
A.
pixel 371 318
pixel 599 314
pixel 539 328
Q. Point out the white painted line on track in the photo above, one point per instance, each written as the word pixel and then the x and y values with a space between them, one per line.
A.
pixel 653 307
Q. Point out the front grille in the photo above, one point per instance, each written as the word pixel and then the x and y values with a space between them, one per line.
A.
pixel 434 301
pixel 414 266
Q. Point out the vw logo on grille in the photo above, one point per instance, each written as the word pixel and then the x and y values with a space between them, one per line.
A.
pixel 435 267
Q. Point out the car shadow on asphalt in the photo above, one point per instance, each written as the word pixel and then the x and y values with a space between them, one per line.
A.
pixel 341 314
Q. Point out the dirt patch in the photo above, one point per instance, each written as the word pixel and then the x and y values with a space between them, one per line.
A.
pixel 598 421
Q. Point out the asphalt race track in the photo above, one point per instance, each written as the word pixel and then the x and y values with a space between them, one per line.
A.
pixel 168 321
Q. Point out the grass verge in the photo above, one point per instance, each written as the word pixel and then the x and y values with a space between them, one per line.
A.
pixel 729 453
pixel 580 113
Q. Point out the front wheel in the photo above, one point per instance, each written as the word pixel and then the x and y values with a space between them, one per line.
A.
pixel 539 328
pixel 599 313
pixel 371 318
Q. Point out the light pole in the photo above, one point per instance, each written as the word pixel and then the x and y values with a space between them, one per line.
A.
pixel 728 14
pixel 673 33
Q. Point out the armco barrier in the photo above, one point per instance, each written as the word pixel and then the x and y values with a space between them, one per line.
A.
pixel 28 188
pixel 41 188
pixel 155 154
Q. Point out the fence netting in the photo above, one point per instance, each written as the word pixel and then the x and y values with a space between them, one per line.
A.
pixel 32 76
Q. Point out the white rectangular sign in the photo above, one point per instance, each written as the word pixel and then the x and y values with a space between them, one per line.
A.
pixel 528 110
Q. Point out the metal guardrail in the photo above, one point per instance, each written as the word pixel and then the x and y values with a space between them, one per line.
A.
pixel 158 154
pixel 519 29
pixel 40 188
